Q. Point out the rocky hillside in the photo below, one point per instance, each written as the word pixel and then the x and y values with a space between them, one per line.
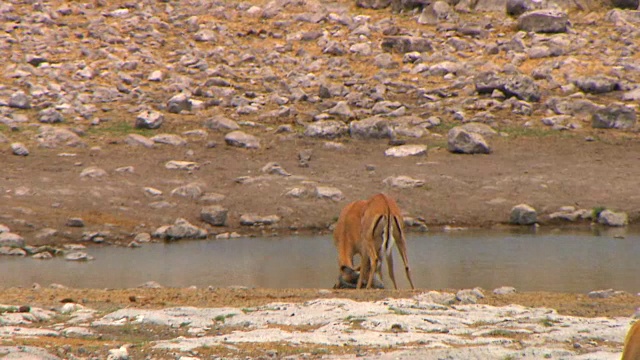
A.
pixel 322 68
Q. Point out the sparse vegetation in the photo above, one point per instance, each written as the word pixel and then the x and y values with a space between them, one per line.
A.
pixel 399 311
pixel 119 129
pixel 222 318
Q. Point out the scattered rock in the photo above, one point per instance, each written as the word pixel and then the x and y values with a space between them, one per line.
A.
pixel 615 116
pixel 274 168
pixel 151 285
pixel 118 354
pixel 570 213
pixel 327 192
pixel 178 103
pixel 19 149
pixel 304 157
pixel 610 218
pixel 253 220
pixel 190 191
pixel 523 214
pixel 138 140
pixel 241 139
pixel 405 44
pixel 469 296
pixel 12 240
pixel 544 21
pixel 149 119
pixel 93 172
pixel 604 294
pixel 373 4
pixel 462 141
pixel 221 123
pixel 78 256
pixel 215 215
pixel 169 139
pixel 74 222
pixel 50 116
pixel 598 84
pixel 326 129
pixel 504 290
pixel 436 297
pixel 403 182
pixel 406 150
pixel 181 165
pixel 19 100
pixel 182 229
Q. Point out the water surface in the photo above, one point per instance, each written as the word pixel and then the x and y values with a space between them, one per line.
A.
pixel 568 262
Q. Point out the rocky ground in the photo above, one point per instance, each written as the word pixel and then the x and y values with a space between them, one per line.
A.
pixel 310 323
pixel 125 122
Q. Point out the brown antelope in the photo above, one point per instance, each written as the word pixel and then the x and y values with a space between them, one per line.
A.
pixel 632 343
pixel 370 228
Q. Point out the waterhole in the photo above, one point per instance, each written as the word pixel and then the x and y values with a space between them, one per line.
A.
pixel 559 262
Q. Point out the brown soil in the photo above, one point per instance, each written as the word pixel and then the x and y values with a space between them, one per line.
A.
pixel 544 169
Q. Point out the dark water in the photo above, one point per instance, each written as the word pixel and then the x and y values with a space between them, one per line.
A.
pixel 570 262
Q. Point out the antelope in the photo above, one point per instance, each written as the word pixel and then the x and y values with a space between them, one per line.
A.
pixel 369 228
pixel 632 343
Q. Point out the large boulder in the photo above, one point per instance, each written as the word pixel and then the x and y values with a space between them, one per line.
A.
pixel 523 214
pixel 374 127
pixel 626 4
pixel 373 4
pixel 519 85
pixel 615 116
pixel 611 218
pixel 544 21
pixel 221 123
pixel 149 119
pixel 215 215
pixel 182 229
pixel 326 129
pixel 462 141
pixel 11 239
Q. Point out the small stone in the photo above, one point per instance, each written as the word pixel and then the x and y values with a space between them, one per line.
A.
pixel 181 165
pixel 327 192
pixel 78 256
pixel 504 290
pixel 50 116
pixel 251 219
pixel 406 150
pixel 19 100
pixel 19 149
pixel 74 222
pixel 241 139
pixel 403 182
pixel 155 76
pixel 93 172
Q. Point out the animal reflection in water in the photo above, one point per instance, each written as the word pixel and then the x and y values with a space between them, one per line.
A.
pixel 369 228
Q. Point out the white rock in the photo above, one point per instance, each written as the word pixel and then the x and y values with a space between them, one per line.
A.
pixel 406 150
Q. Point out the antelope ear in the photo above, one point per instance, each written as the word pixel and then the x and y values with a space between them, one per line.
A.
pixel 348 277
pixel 349 273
